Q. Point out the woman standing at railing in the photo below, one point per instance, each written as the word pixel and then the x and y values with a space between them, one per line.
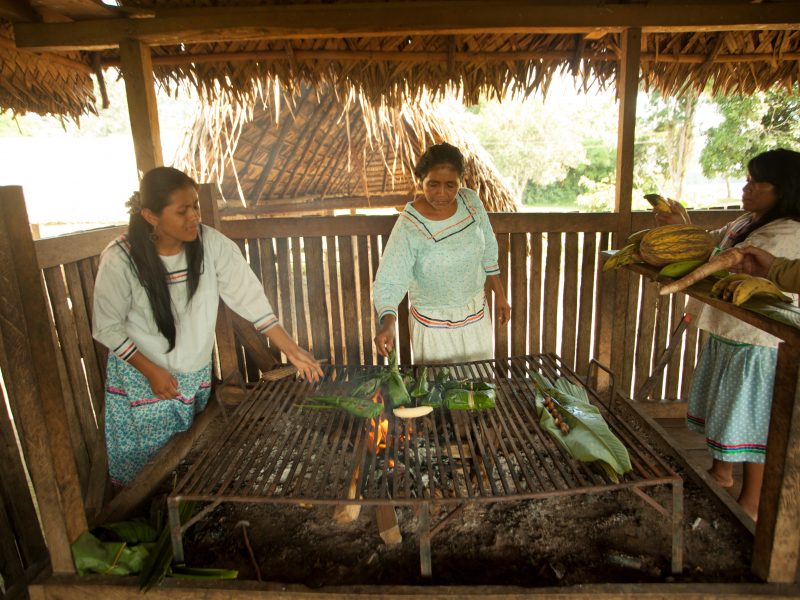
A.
pixel 155 307
pixel 442 252
pixel 731 392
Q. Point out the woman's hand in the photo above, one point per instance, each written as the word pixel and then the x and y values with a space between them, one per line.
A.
pixel 163 383
pixel 756 262
pixel 306 365
pixel 678 216
pixel 502 309
pixel 384 339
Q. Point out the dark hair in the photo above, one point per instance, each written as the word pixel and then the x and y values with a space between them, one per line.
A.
pixel 781 168
pixel 154 193
pixel 439 155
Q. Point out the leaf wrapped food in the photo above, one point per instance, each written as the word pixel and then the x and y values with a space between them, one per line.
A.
pixel 360 407
pixel 396 387
pixel 470 395
pixel 420 389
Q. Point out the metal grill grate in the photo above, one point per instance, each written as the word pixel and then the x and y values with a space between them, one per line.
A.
pixel 274 451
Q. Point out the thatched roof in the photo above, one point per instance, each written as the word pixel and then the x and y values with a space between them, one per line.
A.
pixel 324 152
pixel 218 51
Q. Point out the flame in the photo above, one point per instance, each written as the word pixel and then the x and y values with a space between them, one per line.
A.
pixel 380 429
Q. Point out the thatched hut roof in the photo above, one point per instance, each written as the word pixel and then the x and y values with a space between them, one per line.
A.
pixel 388 51
pixel 324 152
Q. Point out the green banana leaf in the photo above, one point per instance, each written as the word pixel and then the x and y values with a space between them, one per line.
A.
pixel 397 391
pixel 108 558
pixel 420 388
pixel 202 573
pixel 132 532
pixel 589 438
pixel 470 395
pixel 360 407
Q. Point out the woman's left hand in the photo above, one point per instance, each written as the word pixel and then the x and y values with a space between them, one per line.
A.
pixel 502 309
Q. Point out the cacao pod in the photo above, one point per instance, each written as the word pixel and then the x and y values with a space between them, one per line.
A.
pixel 672 243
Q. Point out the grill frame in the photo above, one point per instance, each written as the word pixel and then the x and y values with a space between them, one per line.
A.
pixel 469 457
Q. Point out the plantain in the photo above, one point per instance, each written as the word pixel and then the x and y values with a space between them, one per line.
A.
pixel 757 286
pixel 719 287
pixel 625 256
pixel 680 268
pixel 730 289
pixel 635 238
pixel 658 202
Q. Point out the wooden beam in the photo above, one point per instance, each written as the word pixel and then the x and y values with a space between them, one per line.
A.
pixel 627 90
pixel 278 205
pixel 34 388
pixel 341 20
pixel 17 10
pixel 137 70
pixel 775 551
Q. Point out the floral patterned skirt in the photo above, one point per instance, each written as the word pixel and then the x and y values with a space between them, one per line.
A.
pixel 138 423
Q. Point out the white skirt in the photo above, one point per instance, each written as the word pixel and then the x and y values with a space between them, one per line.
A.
pixel 452 335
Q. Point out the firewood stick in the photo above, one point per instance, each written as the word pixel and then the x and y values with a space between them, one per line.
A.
pixel 388 527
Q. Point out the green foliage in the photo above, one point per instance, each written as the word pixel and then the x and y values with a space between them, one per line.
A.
pixel 751 125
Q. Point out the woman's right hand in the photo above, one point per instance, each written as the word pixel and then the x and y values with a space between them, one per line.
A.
pixel 755 262
pixel 384 340
pixel 677 216
pixel 163 383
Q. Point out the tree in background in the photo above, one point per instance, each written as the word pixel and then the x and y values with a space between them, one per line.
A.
pixel 751 124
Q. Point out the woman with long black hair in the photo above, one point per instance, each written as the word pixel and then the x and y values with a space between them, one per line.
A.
pixel 155 308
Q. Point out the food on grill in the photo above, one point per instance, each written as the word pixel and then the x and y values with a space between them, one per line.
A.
pixel 434 397
pixel 469 395
pixel 671 243
pixel 680 268
pixel 589 439
pixel 659 203
pixel 420 389
pixel 411 412
pixel 721 262
pixel 396 387
pixel 552 408
pixel 360 407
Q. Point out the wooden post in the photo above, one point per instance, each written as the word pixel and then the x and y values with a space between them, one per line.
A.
pixel 226 341
pixel 34 388
pixel 137 70
pixel 775 550
pixel 627 88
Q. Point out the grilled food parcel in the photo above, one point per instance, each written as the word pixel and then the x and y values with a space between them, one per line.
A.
pixel 403 390
pixel 566 413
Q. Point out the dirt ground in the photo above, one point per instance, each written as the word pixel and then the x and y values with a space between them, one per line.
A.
pixel 598 538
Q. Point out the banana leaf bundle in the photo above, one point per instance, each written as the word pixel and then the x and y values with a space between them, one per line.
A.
pixel 420 388
pixel 358 406
pixel 435 391
pixel 587 436
pixel 470 395
pixel 397 391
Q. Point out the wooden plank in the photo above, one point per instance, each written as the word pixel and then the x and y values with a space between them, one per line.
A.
pixel 403 332
pixel 81 316
pixel 501 331
pixel 269 279
pixel 14 489
pixel 775 550
pixel 535 295
pixel 212 24
pixel 78 405
pixel 282 261
pixel 605 321
pixel 137 70
pixel 674 365
pixel 299 288
pixel 351 320
pixel 552 276
pixel 569 300
pixel 365 298
pixel 630 331
pixel 588 292
pixel 643 357
pixel 88 274
pixel 689 359
pixel 660 338
pixel 317 299
pixel 335 315
pixel 257 351
pixel 36 394
pixel 75 246
pixel 13 570
pixel 518 294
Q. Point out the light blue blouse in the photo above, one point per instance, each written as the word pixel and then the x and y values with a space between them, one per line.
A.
pixel 440 264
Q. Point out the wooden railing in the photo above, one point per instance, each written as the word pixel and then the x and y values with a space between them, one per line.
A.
pixel 318 274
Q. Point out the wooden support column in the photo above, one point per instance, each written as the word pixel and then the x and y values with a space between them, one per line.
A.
pixel 34 388
pixel 775 551
pixel 627 89
pixel 137 70
pixel 226 341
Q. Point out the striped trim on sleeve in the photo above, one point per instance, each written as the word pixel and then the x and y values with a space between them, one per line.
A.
pixel 126 349
pixel 265 322
pixel 493 269
pixel 386 310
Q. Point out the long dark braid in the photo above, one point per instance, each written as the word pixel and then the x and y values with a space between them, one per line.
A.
pixel 154 193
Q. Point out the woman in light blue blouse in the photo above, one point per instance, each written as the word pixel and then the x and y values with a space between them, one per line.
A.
pixel 442 251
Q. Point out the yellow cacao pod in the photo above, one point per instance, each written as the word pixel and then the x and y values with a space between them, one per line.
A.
pixel 672 243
